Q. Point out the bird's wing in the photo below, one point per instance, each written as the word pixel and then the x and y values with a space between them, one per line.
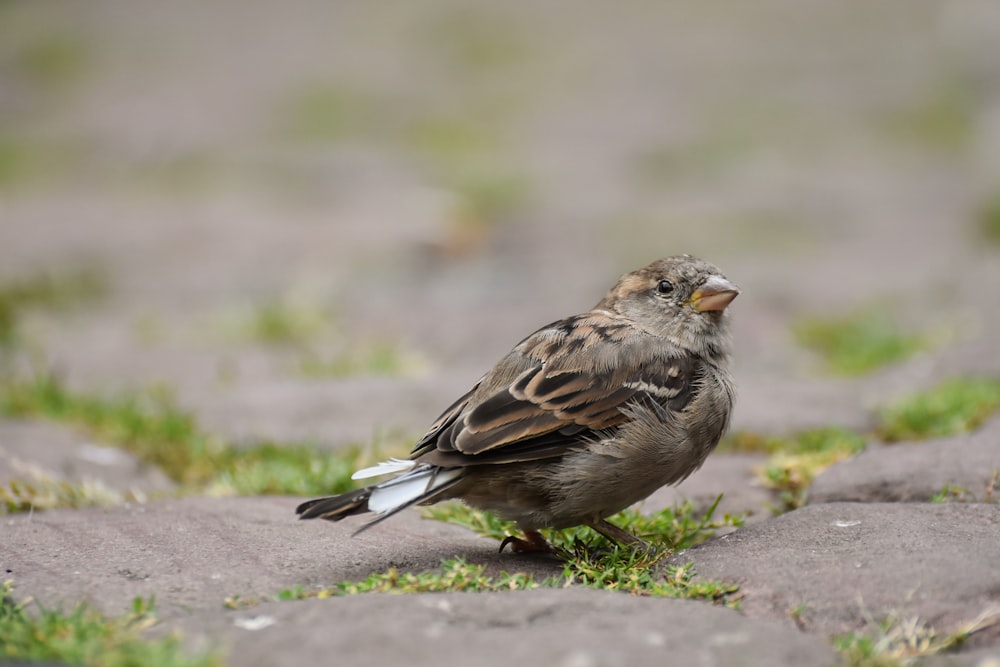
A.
pixel 560 384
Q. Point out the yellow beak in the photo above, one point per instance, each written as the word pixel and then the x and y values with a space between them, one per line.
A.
pixel 714 295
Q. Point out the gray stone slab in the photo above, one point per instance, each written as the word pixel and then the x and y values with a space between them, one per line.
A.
pixel 562 627
pixel 914 471
pixel 983 657
pixel 192 553
pixel 780 405
pixel 842 563
pixel 32 449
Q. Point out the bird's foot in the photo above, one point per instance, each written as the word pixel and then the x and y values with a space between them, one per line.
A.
pixel 622 537
pixel 531 543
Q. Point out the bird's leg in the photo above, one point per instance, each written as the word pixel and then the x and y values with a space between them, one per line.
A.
pixel 531 543
pixel 616 534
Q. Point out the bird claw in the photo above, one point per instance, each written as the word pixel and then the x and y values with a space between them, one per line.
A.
pixel 532 543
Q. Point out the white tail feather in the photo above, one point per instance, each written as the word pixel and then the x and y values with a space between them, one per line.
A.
pixel 404 490
pixel 385 468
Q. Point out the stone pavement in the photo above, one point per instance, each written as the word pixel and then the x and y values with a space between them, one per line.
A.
pixel 436 180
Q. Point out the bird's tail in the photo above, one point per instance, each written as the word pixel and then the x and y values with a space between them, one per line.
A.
pixel 421 484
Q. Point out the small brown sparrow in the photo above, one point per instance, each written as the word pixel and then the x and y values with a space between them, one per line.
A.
pixel 583 418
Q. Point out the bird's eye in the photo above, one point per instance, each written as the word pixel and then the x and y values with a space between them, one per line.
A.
pixel 665 287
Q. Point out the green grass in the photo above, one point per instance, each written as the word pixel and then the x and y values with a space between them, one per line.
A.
pixel 85 637
pixel 282 321
pixel 325 113
pixel 673 528
pixel 18 161
pixel 897 641
pixel 310 331
pixel 955 406
pixel 858 343
pixel 53 61
pixel 989 220
pixel 153 428
pixel 466 156
pixel 488 193
pixel 40 490
pixel 285 469
pixel 634 572
pixel 796 460
pixel 952 493
pixel 625 570
pixel 148 425
pixel 376 357
pixel 50 291
pixel 474 43
pixel 454 575
pixel 588 560
pixel 944 120
pixel 27 162
pixel 452 139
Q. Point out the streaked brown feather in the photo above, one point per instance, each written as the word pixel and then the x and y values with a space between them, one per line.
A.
pixel 572 373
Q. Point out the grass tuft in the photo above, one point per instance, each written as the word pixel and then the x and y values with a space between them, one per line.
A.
pixel 376 357
pixel 153 428
pixel 325 113
pixel 626 570
pixel 467 158
pixel 54 61
pixel 944 120
pixel 285 469
pixel 150 426
pixel 46 291
pixel 858 343
pixel 455 575
pixel 897 641
pixel 309 330
pixel 673 528
pixel 989 220
pixel 39 490
pixel 955 406
pixel 796 460
pixel 589 560
pixel 476 45
pixel 85 637
pixel 283 321
pixel 952 493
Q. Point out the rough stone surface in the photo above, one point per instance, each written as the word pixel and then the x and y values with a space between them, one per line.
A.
pixel 192 553
pixel 915 471
pixel 833 566
pixel 29 449
pixel 438 179
pixel 545 626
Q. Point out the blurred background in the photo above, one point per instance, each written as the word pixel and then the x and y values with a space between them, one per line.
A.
pixel 325 220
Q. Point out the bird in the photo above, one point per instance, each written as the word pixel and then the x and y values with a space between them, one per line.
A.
pixel 584 417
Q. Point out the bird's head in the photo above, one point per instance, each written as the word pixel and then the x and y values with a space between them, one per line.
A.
pixel 682 299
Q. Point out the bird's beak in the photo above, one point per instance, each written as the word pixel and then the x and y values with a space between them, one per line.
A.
pixel 714 295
